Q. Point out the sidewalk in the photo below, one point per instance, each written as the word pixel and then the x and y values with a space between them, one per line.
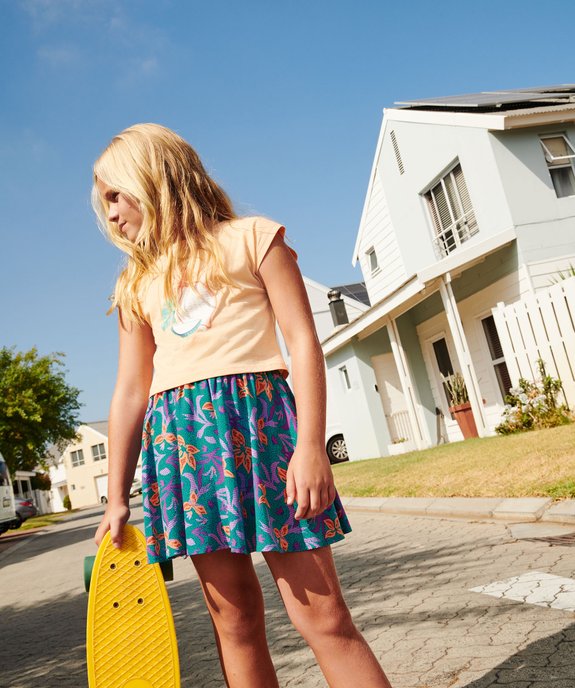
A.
pixel 527 509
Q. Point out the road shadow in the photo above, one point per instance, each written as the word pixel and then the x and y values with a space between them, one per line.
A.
pixel 61 534
pixel 545 663
pixel 44 644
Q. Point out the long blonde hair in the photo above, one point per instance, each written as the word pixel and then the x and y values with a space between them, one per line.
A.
pixel 180 205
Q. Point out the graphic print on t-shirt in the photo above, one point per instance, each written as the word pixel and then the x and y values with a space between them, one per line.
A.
pixel 194 312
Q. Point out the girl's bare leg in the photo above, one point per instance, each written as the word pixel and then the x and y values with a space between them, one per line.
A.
pixel 309 586
pixel 235 602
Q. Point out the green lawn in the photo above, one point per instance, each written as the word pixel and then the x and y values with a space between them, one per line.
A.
pixel 530 464
pixel 41 521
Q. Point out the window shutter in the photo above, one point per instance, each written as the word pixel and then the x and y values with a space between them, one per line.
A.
pixel 433 212
pixel 442 206
pixel 462 189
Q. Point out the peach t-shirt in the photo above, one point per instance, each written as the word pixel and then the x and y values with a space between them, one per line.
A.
pixel 230 332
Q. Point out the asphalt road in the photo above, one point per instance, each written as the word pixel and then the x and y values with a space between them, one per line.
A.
pixel 416 587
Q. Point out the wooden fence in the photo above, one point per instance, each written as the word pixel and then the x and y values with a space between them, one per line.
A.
pixel 541 325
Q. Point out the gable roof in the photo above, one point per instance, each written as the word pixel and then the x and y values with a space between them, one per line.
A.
pixel 491 110
pixel 100 426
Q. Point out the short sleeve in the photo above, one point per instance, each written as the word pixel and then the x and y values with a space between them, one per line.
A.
pixel 265 232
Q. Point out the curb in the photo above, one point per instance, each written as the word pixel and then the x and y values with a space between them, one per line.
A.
pixel 517 509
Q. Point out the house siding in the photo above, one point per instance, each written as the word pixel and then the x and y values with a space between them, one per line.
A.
pixel 428 151
pixel 378 232
pixel 545 272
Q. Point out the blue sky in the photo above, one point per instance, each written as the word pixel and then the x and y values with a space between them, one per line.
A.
pixel 283 101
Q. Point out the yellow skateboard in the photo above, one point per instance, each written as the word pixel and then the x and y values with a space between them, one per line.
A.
pixel 130 639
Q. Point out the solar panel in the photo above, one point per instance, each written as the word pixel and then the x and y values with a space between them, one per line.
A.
pixel 490 99
pixel 560 88
pixel 355 291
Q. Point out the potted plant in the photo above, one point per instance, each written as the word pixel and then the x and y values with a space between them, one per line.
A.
pixel 459 404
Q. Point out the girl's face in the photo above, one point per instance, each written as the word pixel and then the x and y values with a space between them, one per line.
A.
pixel 122 210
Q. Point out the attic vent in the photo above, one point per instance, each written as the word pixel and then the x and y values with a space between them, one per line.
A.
pixel 397 153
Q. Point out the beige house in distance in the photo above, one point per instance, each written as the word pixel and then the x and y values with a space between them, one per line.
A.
pixel 86 465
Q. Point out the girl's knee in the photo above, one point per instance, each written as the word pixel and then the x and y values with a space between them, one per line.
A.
pixel 240 617
pixel 322 621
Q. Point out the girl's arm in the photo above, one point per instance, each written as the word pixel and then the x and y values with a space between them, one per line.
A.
pixel 310 479
pixel 127 411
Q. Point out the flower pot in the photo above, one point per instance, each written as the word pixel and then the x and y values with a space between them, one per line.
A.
pixel 464 417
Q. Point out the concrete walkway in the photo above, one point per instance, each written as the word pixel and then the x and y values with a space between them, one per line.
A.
pixel 521 509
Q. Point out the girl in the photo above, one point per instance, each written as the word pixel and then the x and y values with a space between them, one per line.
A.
pixel 201 371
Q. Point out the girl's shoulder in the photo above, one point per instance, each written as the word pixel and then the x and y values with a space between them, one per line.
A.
pixel 252 224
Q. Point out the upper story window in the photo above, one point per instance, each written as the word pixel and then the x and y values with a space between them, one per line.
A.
pixel 560 157
pixel 372 261
pixel 77 457
pixel 98 452
pixel 451 211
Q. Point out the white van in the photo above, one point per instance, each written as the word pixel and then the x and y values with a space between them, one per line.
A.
pixel 8 518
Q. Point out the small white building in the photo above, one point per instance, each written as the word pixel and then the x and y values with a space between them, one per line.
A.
pixel 469 216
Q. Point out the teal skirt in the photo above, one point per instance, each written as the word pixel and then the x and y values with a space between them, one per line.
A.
pixel 215 455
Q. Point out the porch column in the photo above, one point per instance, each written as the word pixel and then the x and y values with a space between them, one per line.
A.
pixel 462 350
pixel 422 439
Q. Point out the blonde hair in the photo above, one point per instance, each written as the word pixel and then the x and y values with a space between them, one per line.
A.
pixel 180 205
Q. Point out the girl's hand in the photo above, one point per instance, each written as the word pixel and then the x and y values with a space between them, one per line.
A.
pixel 114 519
pixel 310 481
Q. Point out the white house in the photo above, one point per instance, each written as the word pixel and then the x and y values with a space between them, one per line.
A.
pixel 469 217
pixel 356 301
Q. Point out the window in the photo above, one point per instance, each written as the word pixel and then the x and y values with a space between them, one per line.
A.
pixel 451 212
pixel 77 457
pixel 98 452
pixel 345 377
pixel 560 155
pixel 496 352
pixel 372 261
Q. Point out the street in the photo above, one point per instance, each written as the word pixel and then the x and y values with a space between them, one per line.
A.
pixel 420 589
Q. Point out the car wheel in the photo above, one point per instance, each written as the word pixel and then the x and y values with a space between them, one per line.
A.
pixel 17 523
pixel 104 500
pixel 337 449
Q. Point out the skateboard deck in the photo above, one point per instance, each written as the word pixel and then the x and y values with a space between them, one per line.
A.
pixel 130 639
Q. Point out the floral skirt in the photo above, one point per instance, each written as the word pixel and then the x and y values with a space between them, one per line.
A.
pixel 215 455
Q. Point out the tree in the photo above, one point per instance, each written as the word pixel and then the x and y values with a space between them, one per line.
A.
pixel 37 407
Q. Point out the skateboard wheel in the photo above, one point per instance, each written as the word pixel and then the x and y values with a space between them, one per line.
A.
pixel 167 570
pixel 88 568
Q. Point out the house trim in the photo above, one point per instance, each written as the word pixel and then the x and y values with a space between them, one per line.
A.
pixel 373 316
pixel 463 257
pixel 366 203
pixel 463 354
pixel 402 296
pixel 422 438
pixel 517 119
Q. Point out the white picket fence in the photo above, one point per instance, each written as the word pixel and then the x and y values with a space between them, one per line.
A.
pixel 541 325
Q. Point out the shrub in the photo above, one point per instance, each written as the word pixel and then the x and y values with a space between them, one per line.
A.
pixel 67 503
pixel 533 405
pixel 41 481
